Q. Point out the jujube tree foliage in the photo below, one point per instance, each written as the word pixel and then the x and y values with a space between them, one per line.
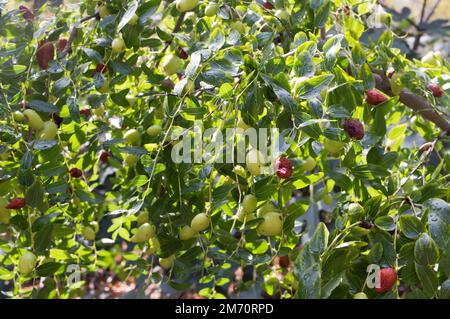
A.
pixel 93 102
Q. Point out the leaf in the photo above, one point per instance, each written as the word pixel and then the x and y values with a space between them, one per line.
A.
pixel 132 7
pixel 48 269
pixel 439 221
pixel 312 87
pixel 385 223
pixel 428 279
pixel 319 241
pixel 193 65
pixel 42 106
pixel 34 196
pixel 44 144
pixel 410 226
pixel 426 251
pixel 284 96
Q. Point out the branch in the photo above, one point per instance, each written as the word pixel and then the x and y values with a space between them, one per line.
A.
pixel 433 10
pixel 411 21
pixel 73 32
pixel 415 102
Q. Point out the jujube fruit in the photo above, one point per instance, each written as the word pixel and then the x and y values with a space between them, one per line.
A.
pixel 309 164
pixel 61 45
pixel 104 155
pixel 27 13
pixel 186 233
pixel 142 218
pixel 435 89
pixel 132 136
pixel 333 147
pixel 144 233
pixel 354 128
pixel 18 116
pixel 27 262
pixel 254 162
pixel 130 160
pixel 118 45
pixel 375 97
pixel 134 20
pixel 16 203
pixel 388 278
pixel 171 64
pixel 167 262
pixel 88 232
pixel 360 295
pixel 45 53
pixel 33 119
pixel 200 222
pixel 283 167
pixel 154 130
pixel 49 130
pixel 185 5
pixel 211 9
pixel 249 203
pixel 75 172
pixel 272 224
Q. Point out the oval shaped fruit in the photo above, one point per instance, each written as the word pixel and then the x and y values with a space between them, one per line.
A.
pixel 189 87
pixel 132 136
pixel 333 147
pixel 432 58
pixel 238 26
pixel 144 233
pixel 254 161
pixel 88 233
pixel 282 14
pixel 272 224
pixel 327 199
pixel 243 216
pixel 99 111
pixel 186 233
pixel 18 116
pixel 33 119
pixel 154 130
pixel 185 5
pixel 200 222
pixel 118 45
pixel 239 170
pixel 130 160
pixel 102 11
pixel 45 53
pixel 388 278
pixel 27 262
pixel 396 83
pixel 154 246
pixel 211 9
pixel 249 203
pixel 167 262
pixel 355 209
pixel 142 218
pixel 264 209
pixel 360 295
pixel 309 164
pixel 49 130
pixel 134 19
pixel 131 99
pixel 95 226
pixel 103 89
pixel 171 64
